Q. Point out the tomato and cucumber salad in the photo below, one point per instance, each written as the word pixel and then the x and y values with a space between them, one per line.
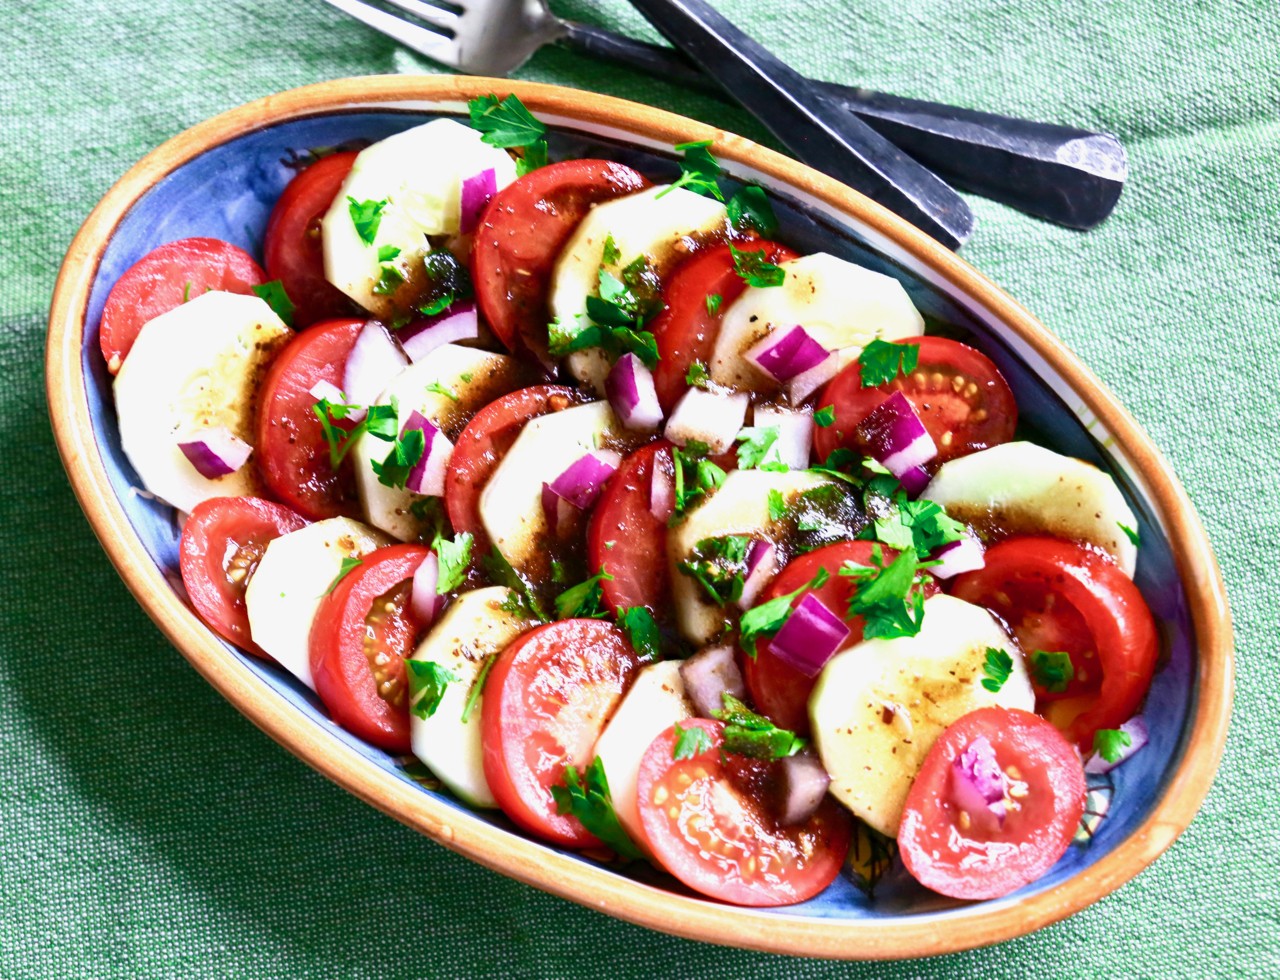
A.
pixel 632 521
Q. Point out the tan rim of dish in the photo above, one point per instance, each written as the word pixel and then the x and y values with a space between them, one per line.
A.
pixel 524 859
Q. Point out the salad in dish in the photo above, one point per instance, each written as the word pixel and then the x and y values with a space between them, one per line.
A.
pixel 628 520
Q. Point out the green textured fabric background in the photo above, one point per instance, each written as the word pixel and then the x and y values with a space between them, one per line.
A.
pixel 148 830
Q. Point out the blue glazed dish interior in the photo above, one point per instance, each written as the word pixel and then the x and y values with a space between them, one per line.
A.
pixel 228 192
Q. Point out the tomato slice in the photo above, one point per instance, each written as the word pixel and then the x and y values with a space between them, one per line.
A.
pixel 293 455
pixel 970 855
pixel 960 396
pixel 292 250
pixel 520 236
pixel 708 822
pixel 360 637
pixel 164 279
pixel 778 689
pixel 222 542
pixel 1061 597
pixel 686 329
pixel 482 445
pixel 545 703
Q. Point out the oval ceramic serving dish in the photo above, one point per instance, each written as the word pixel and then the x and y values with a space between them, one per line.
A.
pixel 222 177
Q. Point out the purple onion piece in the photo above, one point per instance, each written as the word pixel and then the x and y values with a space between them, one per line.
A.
pixel 896 436
pixel 477 190
pixel 459 322
pixel 1139 736
pixel 710 417
pixel 977 781
pixel 801 788
pixel 423 597
pixel 582 482
pixel 374 360
pixel 810 636
pixel 786 353
pixel 762 564
pixel 806 383
pixel 631 392
pixel 710 674
pixel 428 473
pixel 965 555
pixel 559 512
pixel 216 452
pixel 914 481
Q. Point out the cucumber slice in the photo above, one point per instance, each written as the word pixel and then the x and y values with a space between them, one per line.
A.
pixel 879 706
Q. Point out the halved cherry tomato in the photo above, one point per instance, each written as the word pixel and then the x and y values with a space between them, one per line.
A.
pixel 360 637
pixel 706 823
pixel 686 329
pixel 222 542
pixel 164 279
pixel 960 396
pixel 545 703
pixel 520 236
pixel 778 689
pixel 292 250
pixel 1060 597
pixel 293 455
pixel 482 445
pixel 973 855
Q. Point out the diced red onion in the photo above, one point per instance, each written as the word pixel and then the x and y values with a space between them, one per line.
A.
pixel 801 788
pixel 788 352
pixel 896 436
pixel 1139 736
pixel 762 563
pixel 810 636
pixel 965 555
pixel 374 360
pixel 710 674
pixel 914 481
pixel 662 490
pixel 424 600
pixel 476 192
pixel 807 382
pixel 632 394
pixel 795 434
pixel 217 452
pixel 710 417
pixel 458 322
pixel 577 487
pixel 326 391
pixel 977 781
pixel 428 473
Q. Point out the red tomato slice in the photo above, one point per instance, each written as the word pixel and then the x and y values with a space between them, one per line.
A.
pixel 292 250
pixel 222 542
pixel 960 396
pixel 685 329
pixel 482 445
pixel 545 703
pixel 949 851
pixel 778 689
pixel 164 279
pixel 520 236
pixel 1059 596
pixel 707 822
pixel 293 455
pixel 362 633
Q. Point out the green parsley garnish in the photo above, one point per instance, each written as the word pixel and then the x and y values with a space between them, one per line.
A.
pixel 767 618
pixel 387 252
pixel 695 475
pixel 427 683
pixel 438 389
pixel 642 630
pixel 754 269
pixel 881 361
pixel 389 280
pixel 186 291
pixel 777 505
pixel 610 255
pixel 997 667
pixel 1053 671
pixel 824 418
pixel 509 125
pixel 902 523
pixel 477 687
pixel 582 601
pixel 713 303
pixel 379 420
pixel 698 171
pixel 406 450
pixel 348 566
pixel 750 208
pixel 437 305
pixel 1129 533
pixel 719 565
pixel 696 376
pixel 886 596
pixel 366 216
pixel 747 733
pixel 587 798
pixel 273 294
pixel 521 601
pixel 1110 743
pixel 757 449
pixel 690 742
pixel 453 558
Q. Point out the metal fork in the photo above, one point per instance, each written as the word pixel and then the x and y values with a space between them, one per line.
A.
pixel 1068 175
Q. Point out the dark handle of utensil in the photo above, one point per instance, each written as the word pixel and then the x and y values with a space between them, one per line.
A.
pixel 1068 175
pixel 819 132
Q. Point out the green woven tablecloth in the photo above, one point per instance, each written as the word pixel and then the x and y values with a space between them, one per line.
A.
pixel 148 830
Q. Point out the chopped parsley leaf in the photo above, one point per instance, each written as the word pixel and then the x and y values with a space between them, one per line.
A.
pixel 453 558
pixel 747 733
pixel 997 666
pixel 824 418
pixel 273 294
pixel 534 156
pixel 406 450
pixel 186 291
pixel 389 280
pixel 696 376
pixel 437 388
pixel 880 361
pixel 719 565
pixel 698 171
pixel 366 216
pixel 348 566
pixel 886 596
pixel 755 270
pixel 1129 533
pixel 758 449
pixel 1110 743
pixel 387 252
pixel 379 420
pixel 902 523
pixel 610 255
pixel 690 742
pixel 713 303
pixel 437 305
pixel 695 475
pixel 587 797
pixel 777 505
pixel 506 124
pixel 750 208
pixel 583 600
pixel 767 618
pixel 477 686
pixel 521 601
pixel 427 684
pixel 1053 671
pixel 642 630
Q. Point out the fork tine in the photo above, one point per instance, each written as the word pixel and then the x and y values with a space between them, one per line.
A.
pixel 424 40
pixel 445 19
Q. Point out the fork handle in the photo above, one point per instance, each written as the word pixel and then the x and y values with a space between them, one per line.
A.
pixel 1067 175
